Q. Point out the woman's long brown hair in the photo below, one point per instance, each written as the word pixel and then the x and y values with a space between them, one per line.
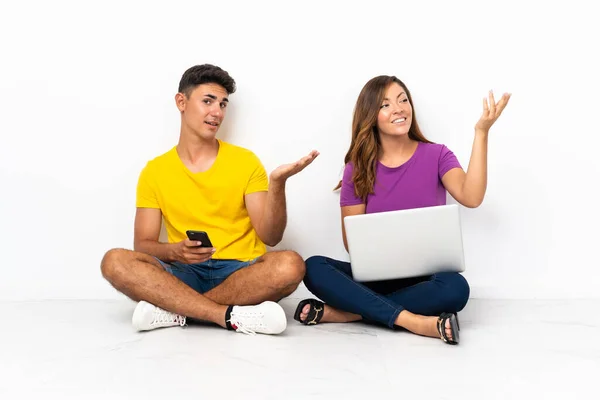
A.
pixel 365 145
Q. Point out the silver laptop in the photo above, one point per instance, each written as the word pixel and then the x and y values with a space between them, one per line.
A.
pixel 405 243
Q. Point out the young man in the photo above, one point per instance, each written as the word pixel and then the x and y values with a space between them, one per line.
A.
pixel 206 184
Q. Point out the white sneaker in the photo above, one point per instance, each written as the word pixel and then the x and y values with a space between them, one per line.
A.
pixel 267 317
pixel 147 317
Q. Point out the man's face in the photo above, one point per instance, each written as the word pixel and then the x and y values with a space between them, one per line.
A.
pixel 204 110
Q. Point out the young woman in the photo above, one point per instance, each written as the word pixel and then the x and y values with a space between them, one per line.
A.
pixel 392 166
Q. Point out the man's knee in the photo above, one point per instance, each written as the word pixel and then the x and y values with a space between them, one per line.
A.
pixel 113 264
pixel 289 269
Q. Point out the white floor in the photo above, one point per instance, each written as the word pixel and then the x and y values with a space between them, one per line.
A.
pixel 509 349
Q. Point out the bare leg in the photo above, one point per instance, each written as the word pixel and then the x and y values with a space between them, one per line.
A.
pixel 421 325
pixel 273 277
pixel 331 314
pixel 141 277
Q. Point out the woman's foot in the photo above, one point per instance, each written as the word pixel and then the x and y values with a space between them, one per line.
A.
pixel 422 325
pixel 330 314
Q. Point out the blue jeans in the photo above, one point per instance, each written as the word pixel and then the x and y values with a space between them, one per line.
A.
pixel 382 301
pixel 207 275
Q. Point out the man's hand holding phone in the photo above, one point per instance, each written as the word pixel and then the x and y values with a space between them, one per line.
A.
pixel 194 250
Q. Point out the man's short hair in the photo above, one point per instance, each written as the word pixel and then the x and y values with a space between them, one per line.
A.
pixel 205 73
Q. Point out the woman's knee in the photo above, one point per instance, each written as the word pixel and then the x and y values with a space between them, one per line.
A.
pixel 457 290
pixel 314 262
pixel 314 265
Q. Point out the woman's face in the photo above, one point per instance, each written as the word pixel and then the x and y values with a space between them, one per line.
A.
pixel 395 113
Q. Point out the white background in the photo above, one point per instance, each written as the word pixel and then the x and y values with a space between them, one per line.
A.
pixel 87 98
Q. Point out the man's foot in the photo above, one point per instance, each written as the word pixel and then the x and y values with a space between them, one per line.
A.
pixel 330 314
pixel 267 317
pixel 147 317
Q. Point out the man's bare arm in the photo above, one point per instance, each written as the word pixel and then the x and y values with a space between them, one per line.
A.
pixel 147 233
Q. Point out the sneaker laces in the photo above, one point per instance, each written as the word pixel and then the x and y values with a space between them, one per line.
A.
pixel 241 328
pixel 166 317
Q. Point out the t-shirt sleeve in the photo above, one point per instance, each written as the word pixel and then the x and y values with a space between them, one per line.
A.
pixel 146 193
pixel 347 194
pixel 447 161
pixel 258 182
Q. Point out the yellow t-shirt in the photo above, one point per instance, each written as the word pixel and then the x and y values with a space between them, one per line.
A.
pixel 211 201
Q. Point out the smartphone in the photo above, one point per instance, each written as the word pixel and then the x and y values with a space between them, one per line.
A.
pixel 200 236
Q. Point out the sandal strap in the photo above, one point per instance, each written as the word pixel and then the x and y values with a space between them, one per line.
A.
pixel 315 313
pixel 441 325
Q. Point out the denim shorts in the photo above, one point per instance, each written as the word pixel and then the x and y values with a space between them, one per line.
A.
pixel 207 275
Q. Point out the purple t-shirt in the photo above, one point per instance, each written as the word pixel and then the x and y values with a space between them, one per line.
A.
pixel 416 183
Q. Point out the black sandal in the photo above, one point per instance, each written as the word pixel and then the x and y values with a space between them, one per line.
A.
pixel 314 314
pixel 457 324
pixel 441 325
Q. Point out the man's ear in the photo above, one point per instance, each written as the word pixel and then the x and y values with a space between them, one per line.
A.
pixel 180 101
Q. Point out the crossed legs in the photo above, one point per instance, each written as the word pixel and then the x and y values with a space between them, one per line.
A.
pixel 413 304
pixel 141 277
